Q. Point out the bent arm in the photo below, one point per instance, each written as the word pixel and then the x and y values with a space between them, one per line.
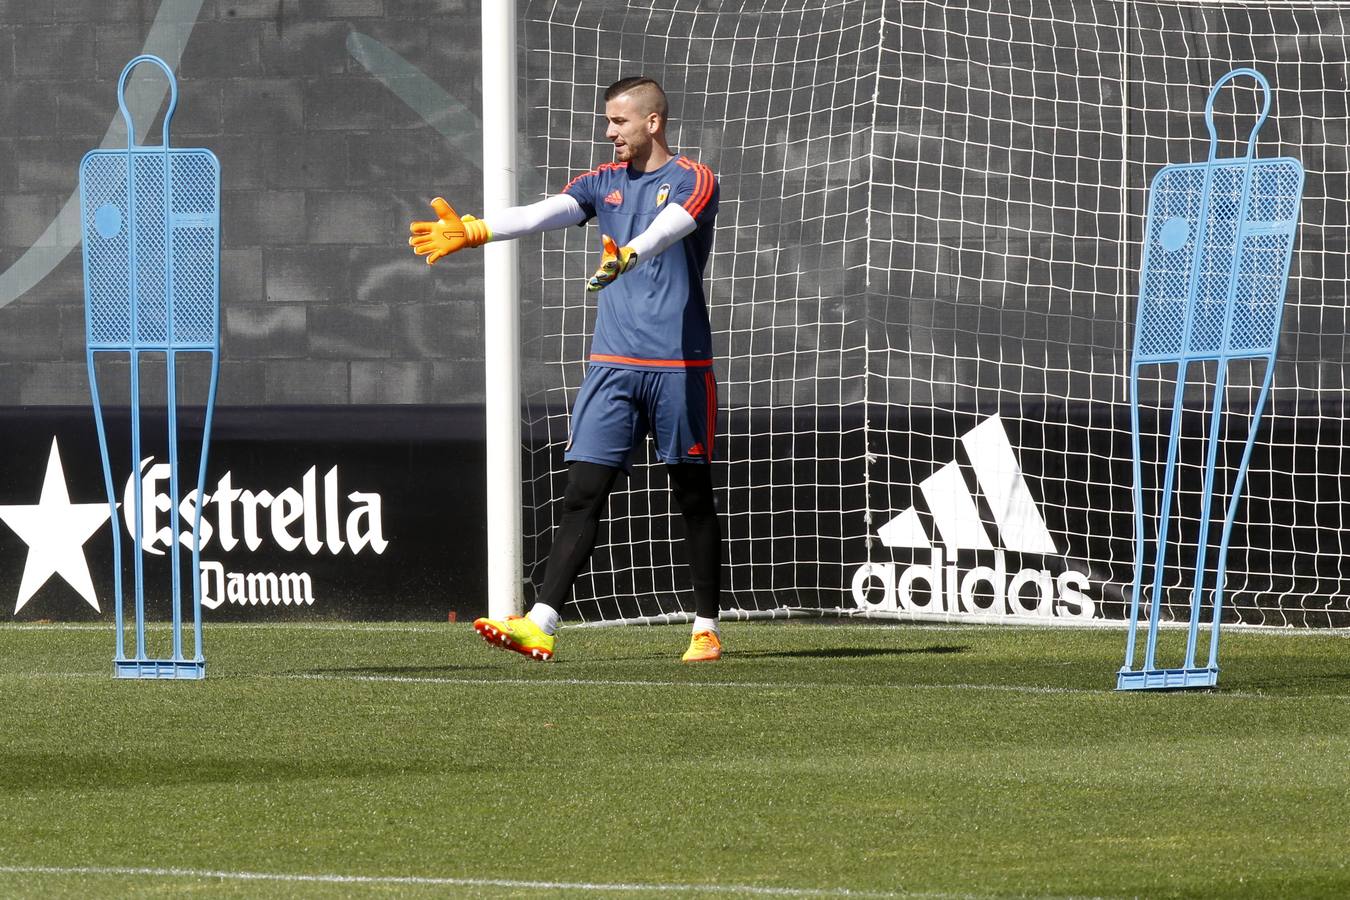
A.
pixel 548 214
pixel 670 225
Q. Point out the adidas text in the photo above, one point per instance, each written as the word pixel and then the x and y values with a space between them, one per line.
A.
pixel 940 587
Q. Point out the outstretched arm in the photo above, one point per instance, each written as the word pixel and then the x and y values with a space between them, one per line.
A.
pixel 548 214
pixel 670 225
pixel 450 233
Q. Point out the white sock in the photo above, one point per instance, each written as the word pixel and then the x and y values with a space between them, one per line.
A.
pixel 702 624
pixel 545 616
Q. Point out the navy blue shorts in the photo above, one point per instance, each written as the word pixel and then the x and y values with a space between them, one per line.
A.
pixel 617 408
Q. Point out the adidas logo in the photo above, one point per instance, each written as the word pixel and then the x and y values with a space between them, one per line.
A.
pixel 614 198
pixel 953 506
pixel 1018 527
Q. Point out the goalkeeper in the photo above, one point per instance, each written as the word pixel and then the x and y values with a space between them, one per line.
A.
pixel 651 356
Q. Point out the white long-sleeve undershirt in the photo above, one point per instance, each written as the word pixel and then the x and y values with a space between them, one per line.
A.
pixel 548 214
pixel 670 225
pixel 559 211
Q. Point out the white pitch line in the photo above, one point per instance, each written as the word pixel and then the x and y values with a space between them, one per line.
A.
pixel 1104 691
pixel 600 682
pixel 723 685
pixel 433 881
pixel 617 682
pixel 778 685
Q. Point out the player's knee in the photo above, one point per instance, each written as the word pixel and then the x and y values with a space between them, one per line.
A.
pixel 697 505
pixel 588 485
pixel 692 487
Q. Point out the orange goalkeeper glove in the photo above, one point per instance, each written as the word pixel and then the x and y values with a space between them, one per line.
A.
pixel 447 234
pixel 614 262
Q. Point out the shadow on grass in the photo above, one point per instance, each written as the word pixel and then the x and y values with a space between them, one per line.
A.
pixel 402 671
pixel 447 671
pixel 509 666
pixel 852 652
pixel 506 666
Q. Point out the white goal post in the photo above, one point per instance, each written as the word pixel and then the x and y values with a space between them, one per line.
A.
pixel 501 315
pixel 922 291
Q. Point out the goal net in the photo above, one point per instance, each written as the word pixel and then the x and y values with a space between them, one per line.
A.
pixel 922 291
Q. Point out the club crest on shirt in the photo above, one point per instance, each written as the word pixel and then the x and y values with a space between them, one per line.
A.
pixel 614 198
pixel 662 193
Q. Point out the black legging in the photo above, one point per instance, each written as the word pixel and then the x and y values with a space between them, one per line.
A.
pixel 588 487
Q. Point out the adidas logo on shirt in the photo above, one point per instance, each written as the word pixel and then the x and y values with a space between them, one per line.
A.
pixel 984 590
pixel 614 198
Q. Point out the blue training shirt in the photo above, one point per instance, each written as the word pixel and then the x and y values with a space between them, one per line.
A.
pixel 654 316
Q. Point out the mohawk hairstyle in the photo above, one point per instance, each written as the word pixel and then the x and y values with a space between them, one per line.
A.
pixel 647 89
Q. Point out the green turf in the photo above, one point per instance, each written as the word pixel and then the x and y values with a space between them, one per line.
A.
pixel 930 761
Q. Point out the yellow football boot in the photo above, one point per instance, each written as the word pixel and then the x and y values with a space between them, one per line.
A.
pixel 517 633
pixel 704 646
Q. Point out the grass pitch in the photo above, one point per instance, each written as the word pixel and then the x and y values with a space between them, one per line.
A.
pixel 813 760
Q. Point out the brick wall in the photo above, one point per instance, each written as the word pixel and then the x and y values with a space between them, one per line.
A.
pixel 322 168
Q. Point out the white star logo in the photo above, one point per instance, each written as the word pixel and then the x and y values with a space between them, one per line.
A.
pixel 55 531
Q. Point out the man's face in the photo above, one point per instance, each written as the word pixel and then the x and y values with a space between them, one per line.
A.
pixel 629 128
